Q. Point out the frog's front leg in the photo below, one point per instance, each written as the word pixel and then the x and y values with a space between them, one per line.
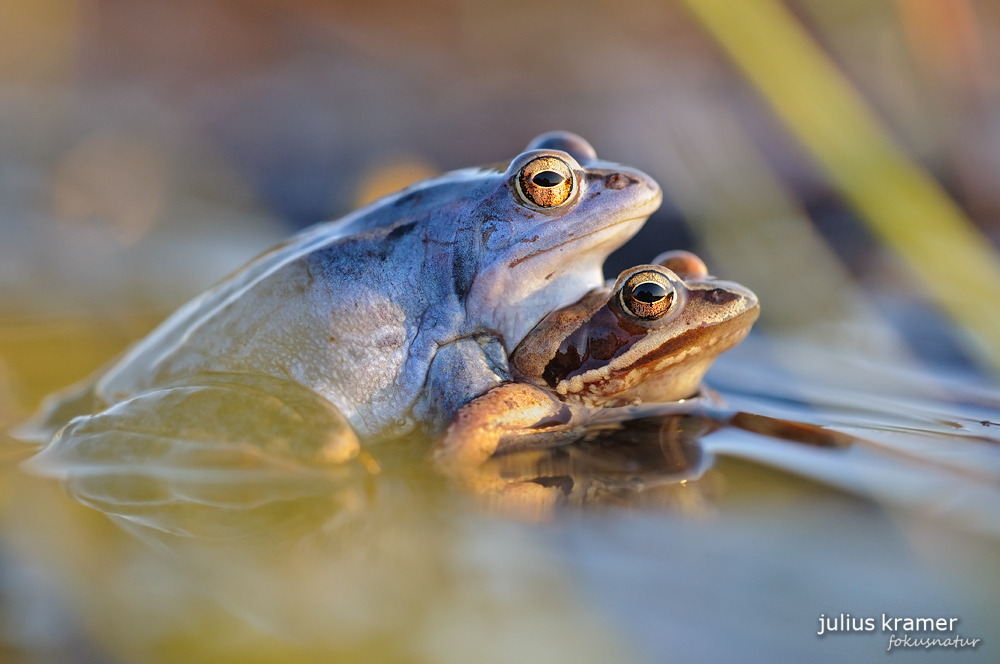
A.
pixel 495 421
pixel 471 400
pixel 461 371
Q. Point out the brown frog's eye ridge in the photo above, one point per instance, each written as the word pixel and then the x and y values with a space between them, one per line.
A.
pixel 647 295
pixel 545 182
pixel 684 263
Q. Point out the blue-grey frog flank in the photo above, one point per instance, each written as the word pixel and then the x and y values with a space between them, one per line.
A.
pixel 404 310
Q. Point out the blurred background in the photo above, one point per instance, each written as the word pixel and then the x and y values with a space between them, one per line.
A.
pixel 842 159
pixel 147 149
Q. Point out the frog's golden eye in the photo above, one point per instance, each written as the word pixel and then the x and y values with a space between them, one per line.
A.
pixel 647 295
pixel 545 182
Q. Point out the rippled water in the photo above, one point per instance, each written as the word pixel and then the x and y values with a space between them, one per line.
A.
pixel 827 484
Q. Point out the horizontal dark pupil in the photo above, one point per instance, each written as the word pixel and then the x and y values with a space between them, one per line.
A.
pixel 548 179
pixel 649 292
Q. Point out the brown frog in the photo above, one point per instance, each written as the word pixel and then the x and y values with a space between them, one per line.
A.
pixel 648 338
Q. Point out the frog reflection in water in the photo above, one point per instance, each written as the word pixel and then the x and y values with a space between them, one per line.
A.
pixel 396 315
pixel 649 338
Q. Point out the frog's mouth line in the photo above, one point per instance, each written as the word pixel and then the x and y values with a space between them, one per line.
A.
pixel 520 260
pixel 700 341
pixel 695 343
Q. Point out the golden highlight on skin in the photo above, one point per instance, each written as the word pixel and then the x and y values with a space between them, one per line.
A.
pixel 895 197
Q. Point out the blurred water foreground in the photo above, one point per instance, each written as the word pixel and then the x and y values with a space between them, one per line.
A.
pixel 841 159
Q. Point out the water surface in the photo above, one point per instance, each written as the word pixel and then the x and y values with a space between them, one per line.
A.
pixel 827 485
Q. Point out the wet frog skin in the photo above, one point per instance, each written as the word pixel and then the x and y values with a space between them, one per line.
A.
pixel 402 311
pixel 649 338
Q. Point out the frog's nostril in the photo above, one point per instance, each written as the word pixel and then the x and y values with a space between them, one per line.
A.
pixel 720 296
pixel 616 181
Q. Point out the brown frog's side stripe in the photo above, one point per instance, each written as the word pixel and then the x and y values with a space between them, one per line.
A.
pixel 610 334
pixel 569 362
pixel 700 338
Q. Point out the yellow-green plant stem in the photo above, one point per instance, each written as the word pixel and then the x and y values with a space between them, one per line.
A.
pixel 951 260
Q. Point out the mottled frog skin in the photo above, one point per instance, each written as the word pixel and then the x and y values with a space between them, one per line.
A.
pixel 402 311
pixel 613 349
pixel 650 337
